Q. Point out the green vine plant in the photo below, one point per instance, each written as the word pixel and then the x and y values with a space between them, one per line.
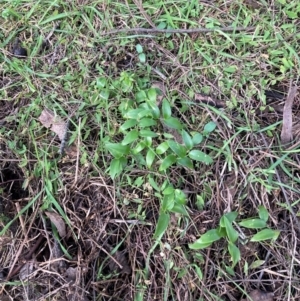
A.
pixel 226 230
pixel 143 118
pixel 147 143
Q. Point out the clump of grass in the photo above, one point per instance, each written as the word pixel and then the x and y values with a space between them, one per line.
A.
pixel 155 167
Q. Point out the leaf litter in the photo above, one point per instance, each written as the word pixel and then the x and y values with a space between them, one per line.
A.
pixel 57 125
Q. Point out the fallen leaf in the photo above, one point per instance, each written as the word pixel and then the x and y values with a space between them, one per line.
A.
pixel 287 120
pixel 258 295
pixel 27 269
pixel 58 125
pixel 58 222
pixel 71 274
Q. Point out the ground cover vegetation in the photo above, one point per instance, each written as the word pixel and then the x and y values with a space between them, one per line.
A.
pixel 149 165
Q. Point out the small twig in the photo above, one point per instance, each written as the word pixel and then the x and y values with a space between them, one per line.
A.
pixel 180 31
pixel 287 120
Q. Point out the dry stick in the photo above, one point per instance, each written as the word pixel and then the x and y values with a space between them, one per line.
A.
pixel 180 31
pixel 287 120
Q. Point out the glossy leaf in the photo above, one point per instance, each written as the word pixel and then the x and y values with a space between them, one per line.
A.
pixel 139 48
pixel 142 57
pixel 263 213
pixel 166 109
pixel 168 190
pixel 205 240
pixel 168 202
pixel 234 253
pixel 266 234
pixel 162 225
pixel 128 124
pixel 167 162
pixel 231 216
pixel 145 122
pixel 186 162
pixel 178 208
pixel 197 138
pixel 130 137
pixel 150 157
pixel 139 147
pixel 153 183
pixel 198 245
pixel 147 133
pixel 152 95
pixel 232 234
pixel 209 127
pixel 173 123
pixel 162 148
pixel 177 148
pixel 187 139
pixel 115 168
pixel 253 223
pixel 117 149
pixel 200 156
pixel 133 113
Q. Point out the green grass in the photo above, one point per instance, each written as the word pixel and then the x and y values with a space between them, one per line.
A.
pixel 149 168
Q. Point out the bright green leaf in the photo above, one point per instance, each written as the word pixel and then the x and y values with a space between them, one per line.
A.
pixel 197 138
pixel 150 157
pixel 200 156
pixel 266 234
pixel 134 113
pixel 117 149
pixel 145 122
pixel 263 213
pixel 178 208
pixel 232 234
pixel 147 133
pixel 198 245
pixel 162 148
pixel 186 162
pixel 231 216
pixel 177 148
pixel 139 48
pixel 139 147
pixel 209 127
pixel 167 162
pixel 152 95
pixel 115 168
pixel 234 253
pixel 168 202
pixel 128 124
pixel 205 240
pixel 162 225
pixel 153 184
pixel 166 109
pixel 142 58
pixel 104 94
pixel 130 137
pixel 253 223
pixel 168 190
pixel 187 140
pixel 173 123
